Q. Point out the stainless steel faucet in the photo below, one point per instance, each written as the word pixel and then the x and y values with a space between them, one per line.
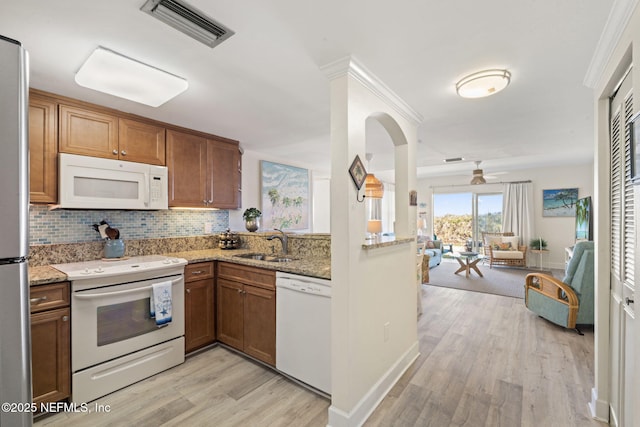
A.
pixel 284 239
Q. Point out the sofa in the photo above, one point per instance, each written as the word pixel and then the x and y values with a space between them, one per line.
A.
pixel 434 253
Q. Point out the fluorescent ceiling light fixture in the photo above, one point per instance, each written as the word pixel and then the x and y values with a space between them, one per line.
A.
pixel 109 72
pixel 483 83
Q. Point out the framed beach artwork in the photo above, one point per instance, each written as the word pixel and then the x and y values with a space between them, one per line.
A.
pixel 560 202
pixel 285 196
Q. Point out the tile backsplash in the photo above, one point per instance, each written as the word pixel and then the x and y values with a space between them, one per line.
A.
pixel 74 226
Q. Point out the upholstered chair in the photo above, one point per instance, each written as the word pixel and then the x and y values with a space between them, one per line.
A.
pixel 568 302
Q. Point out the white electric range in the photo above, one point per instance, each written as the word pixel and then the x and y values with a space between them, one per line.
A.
pixel 115 340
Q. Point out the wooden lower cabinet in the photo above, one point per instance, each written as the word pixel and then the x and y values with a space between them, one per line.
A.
pixel 230 313
pixel 199 306
pixel 50 342
pixel 246 310
pixel 260 323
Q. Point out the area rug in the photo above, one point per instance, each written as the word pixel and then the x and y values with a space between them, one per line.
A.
pixel 497 280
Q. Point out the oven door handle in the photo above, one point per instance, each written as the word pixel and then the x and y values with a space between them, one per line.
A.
pixel 109 294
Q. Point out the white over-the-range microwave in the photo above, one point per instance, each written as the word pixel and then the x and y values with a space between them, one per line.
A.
pixel 96 183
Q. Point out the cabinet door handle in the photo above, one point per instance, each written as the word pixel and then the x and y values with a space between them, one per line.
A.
pixel 209 201
pixel 204 202
pixel 123 152
pixel 188 291
pixel 239 291
pixel 65 318
pixel 38 300
pixel 115 152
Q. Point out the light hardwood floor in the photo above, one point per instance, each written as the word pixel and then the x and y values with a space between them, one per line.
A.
pixel 485 361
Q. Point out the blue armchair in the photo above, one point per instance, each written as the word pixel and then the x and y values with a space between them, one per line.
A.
pixel 569 302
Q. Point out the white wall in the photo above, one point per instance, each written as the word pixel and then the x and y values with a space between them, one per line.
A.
pixel 373 289
pixel 251 188
pixel 559 232
pixel 321 209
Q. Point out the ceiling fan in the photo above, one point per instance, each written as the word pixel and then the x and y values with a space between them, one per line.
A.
pixel 478 176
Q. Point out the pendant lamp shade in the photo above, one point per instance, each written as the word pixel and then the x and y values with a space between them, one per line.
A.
pixel 373 187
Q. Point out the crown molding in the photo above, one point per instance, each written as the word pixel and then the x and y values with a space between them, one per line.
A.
pixel 354 68
pixel 617 21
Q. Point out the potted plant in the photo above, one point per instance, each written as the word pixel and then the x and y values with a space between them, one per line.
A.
pixel 251 218
pixel 538 244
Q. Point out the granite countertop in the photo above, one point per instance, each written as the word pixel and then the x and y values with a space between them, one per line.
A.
pixel 309 266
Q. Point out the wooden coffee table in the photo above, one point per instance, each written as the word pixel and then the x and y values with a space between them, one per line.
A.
pixel 468 261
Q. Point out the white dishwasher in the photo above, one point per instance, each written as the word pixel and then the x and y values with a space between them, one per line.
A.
pixel 303 329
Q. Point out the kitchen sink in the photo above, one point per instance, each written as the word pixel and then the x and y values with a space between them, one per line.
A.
pixel 264 257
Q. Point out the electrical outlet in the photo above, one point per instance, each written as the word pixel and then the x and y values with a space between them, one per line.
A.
pixel 386 332
pixel 208 227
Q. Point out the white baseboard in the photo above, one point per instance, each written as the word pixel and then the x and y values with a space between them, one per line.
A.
pixel 370 401
pixel 599 409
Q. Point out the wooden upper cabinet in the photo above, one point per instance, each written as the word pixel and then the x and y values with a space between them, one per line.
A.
pixel 141 142
pixel 96 134
pixel 88 133
pixel 187 164
pixel 202 172
pixel 223 160
pixel 43 149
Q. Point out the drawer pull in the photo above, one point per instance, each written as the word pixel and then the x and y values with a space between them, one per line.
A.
pixel 38 300
pixel 197 272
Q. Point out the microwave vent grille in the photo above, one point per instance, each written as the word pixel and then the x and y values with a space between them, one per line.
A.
pixel 189 20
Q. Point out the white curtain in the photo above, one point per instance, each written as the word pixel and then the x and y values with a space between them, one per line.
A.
pixel 517 210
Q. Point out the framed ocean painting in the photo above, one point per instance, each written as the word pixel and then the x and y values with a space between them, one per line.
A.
pixel 285 197
pixel 560 202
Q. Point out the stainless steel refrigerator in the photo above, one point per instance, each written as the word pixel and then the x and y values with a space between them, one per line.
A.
pixel 15 340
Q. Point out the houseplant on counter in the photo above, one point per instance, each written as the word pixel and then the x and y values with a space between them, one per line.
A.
pixel 251 218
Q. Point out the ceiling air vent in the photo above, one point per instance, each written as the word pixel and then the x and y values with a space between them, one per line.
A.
pixel 186 18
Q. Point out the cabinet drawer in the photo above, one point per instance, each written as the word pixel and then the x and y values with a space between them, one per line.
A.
pixel 198 271
pixel 47 297
pixel 254 276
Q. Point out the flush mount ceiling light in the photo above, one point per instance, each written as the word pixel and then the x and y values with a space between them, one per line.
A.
pixel 109 72
pixel 478 177
pixel 483 83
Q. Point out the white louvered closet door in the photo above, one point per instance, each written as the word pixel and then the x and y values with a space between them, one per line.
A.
pixel 623 239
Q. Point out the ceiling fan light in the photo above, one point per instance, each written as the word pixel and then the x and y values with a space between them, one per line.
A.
pixel 478 177
pixel 483 83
